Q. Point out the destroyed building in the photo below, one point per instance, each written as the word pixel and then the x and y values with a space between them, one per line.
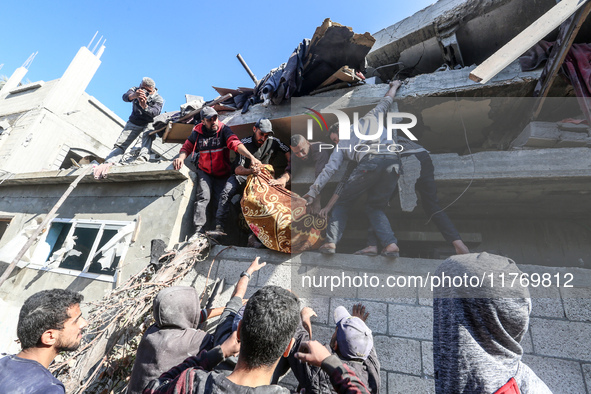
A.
pixel 513 174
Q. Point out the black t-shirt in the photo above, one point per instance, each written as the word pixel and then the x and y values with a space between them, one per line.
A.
pixel 265 153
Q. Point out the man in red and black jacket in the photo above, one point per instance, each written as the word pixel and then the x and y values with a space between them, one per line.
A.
pixel 209 145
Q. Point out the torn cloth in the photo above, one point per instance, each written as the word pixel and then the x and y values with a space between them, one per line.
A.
pixel 278 217
pixel 577 63
pixel 411 171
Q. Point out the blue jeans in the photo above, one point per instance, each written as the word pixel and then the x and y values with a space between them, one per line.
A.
pixel 378 176
pixel 129 134
pixel 427 189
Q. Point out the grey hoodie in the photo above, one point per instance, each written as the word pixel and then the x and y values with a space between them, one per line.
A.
pixel 172 339
pixel 477 332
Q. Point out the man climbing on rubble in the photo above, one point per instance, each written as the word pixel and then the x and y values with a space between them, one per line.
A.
pixel 146 105
pixel 351 342
pixel 264 335
pixel 263 145
pixel 49 322
pixel 417 174
pixel 209 145
pixel 173 336
pixel 376 173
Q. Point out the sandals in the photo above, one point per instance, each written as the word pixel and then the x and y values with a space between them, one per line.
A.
pixel 391 255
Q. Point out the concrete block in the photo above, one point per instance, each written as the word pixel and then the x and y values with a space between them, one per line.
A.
pixel 384 381
pixel 425 296
pixel 230 271
pixel 527 344
pixel 410 321
pixel 546 302
pixel 561 376
pixel 378 313
pixel 401 295
pixel 321 306
pixel 577 303
pixel 320 281
pixel 427 353
pixel 398 355
pixel 278 275
pixel 587 374
pixel 556 338
pixel 403 384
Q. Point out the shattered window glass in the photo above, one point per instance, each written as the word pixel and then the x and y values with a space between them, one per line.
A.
pixel 75 257
pixel 87 246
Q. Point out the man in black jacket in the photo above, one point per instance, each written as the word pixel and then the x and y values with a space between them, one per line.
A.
pixel 147 104
pixel 351 342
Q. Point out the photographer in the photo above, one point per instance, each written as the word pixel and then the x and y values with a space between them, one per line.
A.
pixel 147 104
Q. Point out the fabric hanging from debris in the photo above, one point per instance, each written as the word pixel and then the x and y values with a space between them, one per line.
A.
pixel 268 211
pixel 577 64
pixel 411 171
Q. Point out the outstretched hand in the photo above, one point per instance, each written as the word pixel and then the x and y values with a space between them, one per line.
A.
pixel 312 352
pixel 359 311
pixel 306 313
pixel 255 265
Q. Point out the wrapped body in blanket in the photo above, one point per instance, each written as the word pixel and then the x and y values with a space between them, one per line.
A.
pixel 278 216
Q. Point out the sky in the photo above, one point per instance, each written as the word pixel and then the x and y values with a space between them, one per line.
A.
pixel 185 46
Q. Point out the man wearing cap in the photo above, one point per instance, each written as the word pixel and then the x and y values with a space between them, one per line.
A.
pixel 352 342
pixel 146 104
pixel 264 146
pixel 209 145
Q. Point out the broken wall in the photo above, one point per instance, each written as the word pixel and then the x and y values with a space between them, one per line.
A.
pixel 157 201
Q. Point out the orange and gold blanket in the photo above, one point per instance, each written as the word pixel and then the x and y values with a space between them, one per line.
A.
pixel 278 217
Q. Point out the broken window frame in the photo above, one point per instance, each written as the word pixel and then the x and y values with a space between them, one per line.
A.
pixel 101 225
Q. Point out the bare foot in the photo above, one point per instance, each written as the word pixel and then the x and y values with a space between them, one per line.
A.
pixel 368 251
pixel 460 247
pixel 391 248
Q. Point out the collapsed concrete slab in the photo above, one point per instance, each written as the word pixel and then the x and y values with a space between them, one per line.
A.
pixel 456 32
pixel 552 135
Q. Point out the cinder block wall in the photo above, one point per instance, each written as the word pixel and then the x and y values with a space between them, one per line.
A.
pixel 557 346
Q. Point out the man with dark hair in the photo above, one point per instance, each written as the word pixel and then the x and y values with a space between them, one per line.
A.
pixel 264 335
pixel 146 105
pixel 49 322
pixel 209 145
pixel 264 146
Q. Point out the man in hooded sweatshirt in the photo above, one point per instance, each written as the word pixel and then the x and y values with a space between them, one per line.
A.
pixel 173 337
pixel 477 330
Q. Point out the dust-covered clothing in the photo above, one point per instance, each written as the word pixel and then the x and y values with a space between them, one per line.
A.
pixel 477 331
pixel 173 337
pixel 19 375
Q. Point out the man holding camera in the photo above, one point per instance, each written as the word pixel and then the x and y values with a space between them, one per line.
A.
pixel 147 104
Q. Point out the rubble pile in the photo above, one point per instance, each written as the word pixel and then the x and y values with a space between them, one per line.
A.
pixel 103 362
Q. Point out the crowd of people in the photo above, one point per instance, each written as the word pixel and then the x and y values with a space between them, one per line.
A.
pixel 375 171
pixel 476 341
